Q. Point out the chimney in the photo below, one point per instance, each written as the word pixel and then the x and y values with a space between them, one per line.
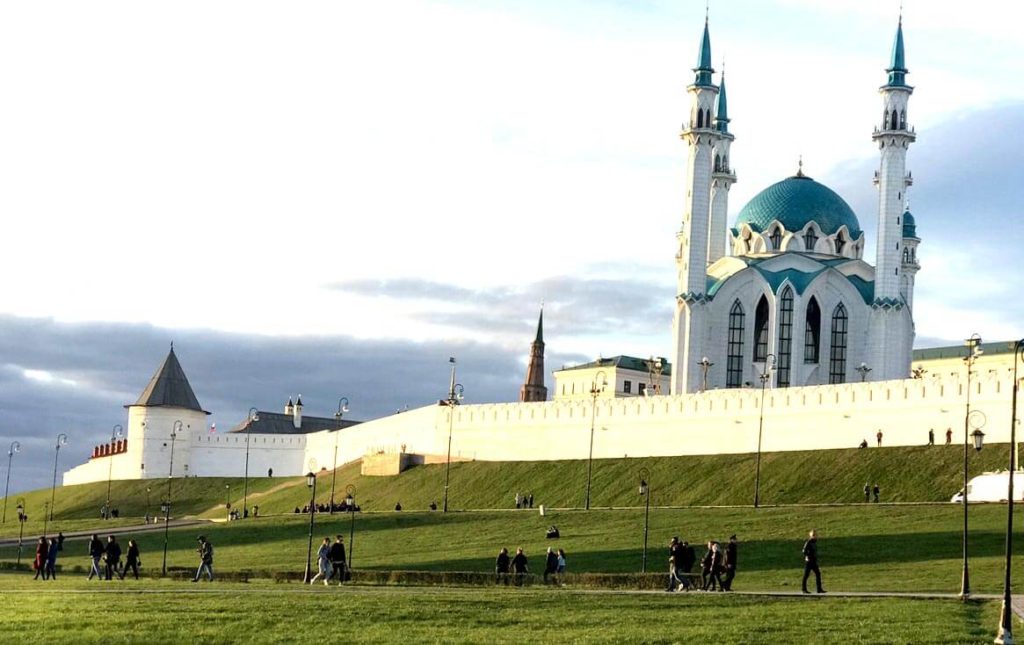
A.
pixel 288 407
pixel 297 416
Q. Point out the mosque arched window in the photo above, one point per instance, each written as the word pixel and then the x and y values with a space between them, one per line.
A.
pixel 761 330
pixel 906 255
pixel 810 239
pixel 840 243
pixel 700 118
pixel 837 353
pixel 776 238
pixel 734 361
pixel 812 331
pixel 785 347
pixel 718 162
pixel 903 120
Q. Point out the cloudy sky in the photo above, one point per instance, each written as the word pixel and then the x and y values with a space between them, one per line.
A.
pixel 331 198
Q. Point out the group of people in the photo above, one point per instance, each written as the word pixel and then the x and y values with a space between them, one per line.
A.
pixel 105 558
pixel 871 490
pixel 524 501
pixel 341 507
pixel 517 567
pixel 716 562
pixel 331 562
pixel 45 564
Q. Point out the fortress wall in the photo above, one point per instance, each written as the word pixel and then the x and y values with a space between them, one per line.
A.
pixel 223 455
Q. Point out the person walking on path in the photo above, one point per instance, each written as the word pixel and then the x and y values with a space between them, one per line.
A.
pixel 729 562
pixel 876 490
pixel 689 558
pixel 931 436
pixel 560 570
pixel 878 438
pixel 520 566
pixel 949 436
pixel 51 559
pixel 519 501
pixel 323 561
pixel 112 557
pixel 550 565
pixel 867 493
pixel 337 556
pixel 810 552
pixel 712 564
pixel 501 566
pixel 131 560
pixel 39 564
pixel 95 553
pixel 675 553
pixel 205 551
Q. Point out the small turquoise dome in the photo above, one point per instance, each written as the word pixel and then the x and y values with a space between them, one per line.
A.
pixel 796 201
pixel 909 225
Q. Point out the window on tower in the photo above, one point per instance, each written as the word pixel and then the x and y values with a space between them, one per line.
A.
pixel 627 387
pixel 903 120
pixel 837 355
pixel 785 337
pixel 810 239
pixel 734 361
pixel 761 330
pixel 776 238
pixel 812 331
pixel 840 243
pixel 700 118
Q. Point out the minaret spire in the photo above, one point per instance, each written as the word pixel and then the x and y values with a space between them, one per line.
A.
pixel 703 68
pixel 533 388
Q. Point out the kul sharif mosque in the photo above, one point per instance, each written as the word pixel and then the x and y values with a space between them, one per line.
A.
pixel 788 282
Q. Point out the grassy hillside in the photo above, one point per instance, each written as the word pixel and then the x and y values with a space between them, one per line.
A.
pixel 825 476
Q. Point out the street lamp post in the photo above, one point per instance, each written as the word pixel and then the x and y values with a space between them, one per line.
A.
pixel 705 365
pixel 15 447
pixel 1005 633
pixel 46 517
pixel 227 500
pixel 21 520
pixel 973 345
pixel 311 483
pixel 175 429
pixel 597 387
pixel 863 369
pixel 62 440
pixel 645 491
pixel 148 489
pixel 350 501
pixel 253 418
pixel 455 394
pixel 342 409
pixel 115 434
pixel 765 376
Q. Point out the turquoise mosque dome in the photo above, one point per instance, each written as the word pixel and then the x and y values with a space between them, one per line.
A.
pixel 795 202
pixel 909 225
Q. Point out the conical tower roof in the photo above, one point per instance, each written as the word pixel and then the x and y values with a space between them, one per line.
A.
pixel 170 388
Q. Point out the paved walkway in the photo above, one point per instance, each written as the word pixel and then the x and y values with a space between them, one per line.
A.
pixel 118 530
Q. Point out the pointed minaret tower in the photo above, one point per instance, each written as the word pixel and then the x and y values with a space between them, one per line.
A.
pixel 699 133
pixel 909 265
pixel 534 389
pixel 891 325
pixel 722 177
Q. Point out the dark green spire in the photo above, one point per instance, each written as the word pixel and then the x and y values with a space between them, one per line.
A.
pixel 703 68
pixel 897 66
pixel 722 117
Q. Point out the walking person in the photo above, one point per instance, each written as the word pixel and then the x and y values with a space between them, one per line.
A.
pixel 112 557
pixel 867 493
pixel 877 491
pixel 878 438
pixel 810 552
pixel 323 561
pixel 675 566
pixel 519 501
pixel 520 566
pixel 931 436
pixel 705 568
pixel 51 559
pixel 39 564
pixel 501 566
pixel 95 553
pixel 205 551
pixel 550 564
pixel 949 436
pixel 131 560
pixel 729 562
pixel 337 556
pixel 689 558
pixel 560 571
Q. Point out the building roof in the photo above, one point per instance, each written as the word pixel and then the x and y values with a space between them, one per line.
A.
pixel 722 116
pixel 799 278
pixel 170 388
pixel 959 351
pixel 909 225
pixel 897 64
pixel 703 68
pixel 277 423
pixel 796 201
pixel 623 362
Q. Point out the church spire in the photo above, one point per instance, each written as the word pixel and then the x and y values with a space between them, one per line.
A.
pixel 703 68
pixel 722 114
pixel 533 388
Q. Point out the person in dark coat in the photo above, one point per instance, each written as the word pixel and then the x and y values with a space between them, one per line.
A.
pixel 112 557
pixel 550 564
pixel 337 557
pixel 51 559
pixel 675 559
pixel 520 566
pixel 39 564
pixel 810 552
pixel 689 559
pixel 712 564
pixel 876 491
pixel 131 560
pixel 95 554
pixel 729 562
pixel 501 566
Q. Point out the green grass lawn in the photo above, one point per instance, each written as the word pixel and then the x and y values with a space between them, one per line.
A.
pixel 920 474
pixel 863 547
pixel 286 613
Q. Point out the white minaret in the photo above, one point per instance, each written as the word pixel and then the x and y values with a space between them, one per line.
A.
pixel 909 265
pixel 689 327
pixel 891 330
pixel 722 178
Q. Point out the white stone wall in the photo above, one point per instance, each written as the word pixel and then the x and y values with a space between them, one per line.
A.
pixel 223 455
